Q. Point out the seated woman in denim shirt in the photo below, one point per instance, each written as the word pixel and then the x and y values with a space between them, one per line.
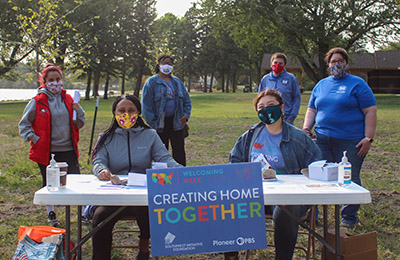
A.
pixel 287 149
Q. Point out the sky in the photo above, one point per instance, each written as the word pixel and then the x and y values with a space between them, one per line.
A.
pixel 177 7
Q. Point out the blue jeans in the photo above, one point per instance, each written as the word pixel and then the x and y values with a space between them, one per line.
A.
pixel 286 229
pixel 332 150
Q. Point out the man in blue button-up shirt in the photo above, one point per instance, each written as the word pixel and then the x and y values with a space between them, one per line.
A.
pixel 286 83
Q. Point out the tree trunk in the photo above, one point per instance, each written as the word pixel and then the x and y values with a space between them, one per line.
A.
pixel 89 82
pixel 258 66
pixel 323 48
pixel 37 65
pixel 205 83
pixel 250 77
pixel 61 54
pixel 223 81
pixel 96 83
pixel 189 82
pixel 123 82
pixel 234 84
pixel 182 77
pixel 106 86
pixel 308 70
pixel 138 83
pixel 227 83
pixel 211 82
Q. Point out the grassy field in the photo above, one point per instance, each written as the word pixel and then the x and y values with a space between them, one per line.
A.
pixel 217 120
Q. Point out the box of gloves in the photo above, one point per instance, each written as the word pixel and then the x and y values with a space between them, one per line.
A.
pixel 322 170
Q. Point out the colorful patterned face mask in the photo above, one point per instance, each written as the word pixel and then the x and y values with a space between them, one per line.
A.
pixel 338 70
pixel 126 120
pixel 54 86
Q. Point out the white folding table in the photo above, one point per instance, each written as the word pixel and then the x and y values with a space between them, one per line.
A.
pixel 287 190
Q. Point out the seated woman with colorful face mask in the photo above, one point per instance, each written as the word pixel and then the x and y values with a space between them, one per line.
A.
pixel 284 148
pixel 128 145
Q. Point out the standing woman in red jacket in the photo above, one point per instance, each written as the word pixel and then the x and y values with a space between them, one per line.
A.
pixel 47 122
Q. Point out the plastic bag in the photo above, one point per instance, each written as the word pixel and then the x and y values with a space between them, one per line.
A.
pixel 29 249
pixel 37 233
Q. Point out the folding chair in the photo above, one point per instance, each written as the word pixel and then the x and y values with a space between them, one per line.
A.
pixel 135 231
pixel 310 249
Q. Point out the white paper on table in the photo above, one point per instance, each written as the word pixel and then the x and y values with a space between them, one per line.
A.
pixel 159 165
pixel 110 186
pixel 77 98
pixel 137 179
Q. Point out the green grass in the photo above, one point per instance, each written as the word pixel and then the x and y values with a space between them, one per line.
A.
pixel 217 120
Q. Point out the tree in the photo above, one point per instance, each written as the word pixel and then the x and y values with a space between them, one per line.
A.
pixel 310 28
pixel 163 33
pixel 218 15
pixel 40 24
pixel 187 42
pixel 11 50
pixel 144 16
pixel 254 34
pixel 393 46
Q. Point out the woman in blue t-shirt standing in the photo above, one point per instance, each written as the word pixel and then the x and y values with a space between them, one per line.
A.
pixel 343 109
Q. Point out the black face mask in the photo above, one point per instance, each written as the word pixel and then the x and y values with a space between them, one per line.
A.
pixel 269 115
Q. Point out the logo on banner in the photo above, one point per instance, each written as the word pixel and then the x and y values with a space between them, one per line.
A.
pixel 162 178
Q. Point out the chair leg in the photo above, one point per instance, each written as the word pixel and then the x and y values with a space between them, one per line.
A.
pixel 311 239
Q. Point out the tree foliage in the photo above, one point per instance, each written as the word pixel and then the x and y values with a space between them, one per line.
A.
pixel 309 28
pixel 221 39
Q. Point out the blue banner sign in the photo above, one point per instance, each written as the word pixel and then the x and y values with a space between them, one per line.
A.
pixel 204 209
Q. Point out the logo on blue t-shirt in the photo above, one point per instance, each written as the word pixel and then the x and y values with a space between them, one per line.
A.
pixel 341 89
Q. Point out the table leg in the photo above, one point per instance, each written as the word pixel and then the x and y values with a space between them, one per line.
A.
pixel 325 220
pixel 337 232
pixel 68 231
pixel 79 235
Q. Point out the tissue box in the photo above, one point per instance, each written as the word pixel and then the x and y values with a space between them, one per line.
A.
pixel 321 170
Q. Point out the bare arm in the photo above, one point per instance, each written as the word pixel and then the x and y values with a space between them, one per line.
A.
pixel 369 132
pixel 309 121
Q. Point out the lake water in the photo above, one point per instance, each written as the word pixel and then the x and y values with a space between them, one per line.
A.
pixel 7 94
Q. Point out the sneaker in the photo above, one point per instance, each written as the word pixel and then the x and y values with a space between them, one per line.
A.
pixel 86 221
pixel 52 219
pixel 348 225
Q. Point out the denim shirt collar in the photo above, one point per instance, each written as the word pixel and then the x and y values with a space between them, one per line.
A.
pixel 285 131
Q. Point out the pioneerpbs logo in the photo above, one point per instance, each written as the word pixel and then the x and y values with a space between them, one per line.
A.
pixel 240 241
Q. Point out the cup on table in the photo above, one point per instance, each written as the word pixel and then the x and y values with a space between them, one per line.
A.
pixel 63 174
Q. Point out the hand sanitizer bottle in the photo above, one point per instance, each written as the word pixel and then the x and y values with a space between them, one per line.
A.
pixel 53 175
pixel 344 175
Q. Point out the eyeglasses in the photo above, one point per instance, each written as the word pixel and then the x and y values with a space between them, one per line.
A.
pixel 337 61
